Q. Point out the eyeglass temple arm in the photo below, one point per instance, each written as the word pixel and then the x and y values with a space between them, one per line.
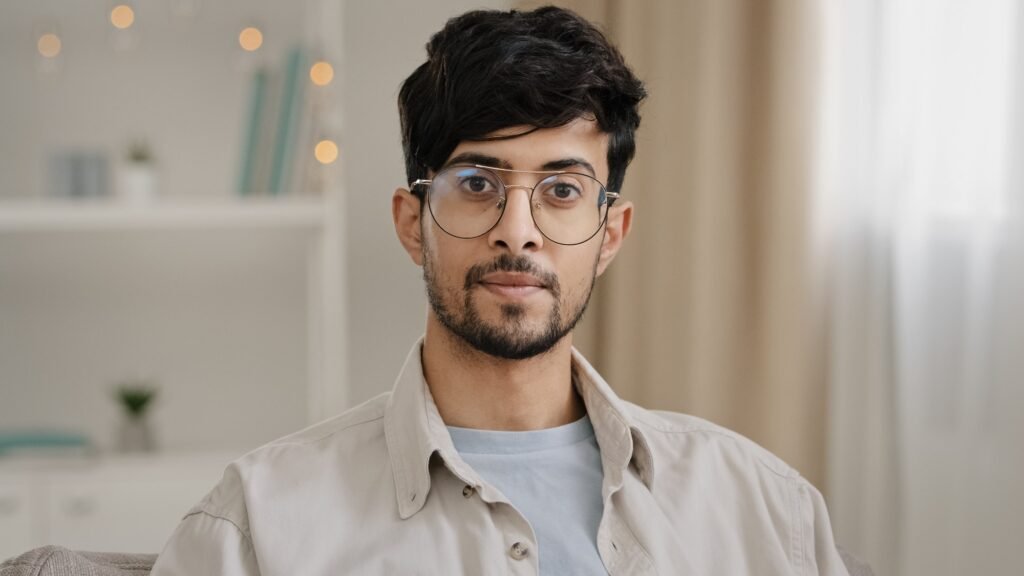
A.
pixel 415 187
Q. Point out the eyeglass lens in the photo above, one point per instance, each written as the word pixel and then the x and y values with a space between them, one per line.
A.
pixel 467 202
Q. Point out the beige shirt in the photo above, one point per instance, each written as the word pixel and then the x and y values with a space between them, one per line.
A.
pixel 380 489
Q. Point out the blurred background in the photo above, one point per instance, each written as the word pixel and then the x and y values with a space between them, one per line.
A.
pixel 197 255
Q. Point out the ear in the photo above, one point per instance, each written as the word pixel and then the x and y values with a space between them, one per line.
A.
pixel 620 218
pixel 405 211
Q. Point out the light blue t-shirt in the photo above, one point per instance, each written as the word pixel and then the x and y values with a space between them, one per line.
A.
pixel 553 477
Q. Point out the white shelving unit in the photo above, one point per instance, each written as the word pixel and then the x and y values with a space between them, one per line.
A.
pixel 318 220
pixel 58 215
pixel 235 303
pixel 107 237
pixel 132 503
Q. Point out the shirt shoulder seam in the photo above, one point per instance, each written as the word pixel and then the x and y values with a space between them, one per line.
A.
pixel 316 439
pixel 787 471
pixel 297 440
pixel 244 533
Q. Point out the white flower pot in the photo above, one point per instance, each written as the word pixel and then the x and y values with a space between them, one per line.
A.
pixel 137 184
pixel 135 435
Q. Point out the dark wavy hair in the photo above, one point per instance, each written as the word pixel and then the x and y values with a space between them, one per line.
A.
pixel 488 70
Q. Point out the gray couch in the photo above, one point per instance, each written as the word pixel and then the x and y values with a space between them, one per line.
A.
pixel 57 561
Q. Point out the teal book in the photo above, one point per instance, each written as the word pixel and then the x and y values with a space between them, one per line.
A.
pixel 288 120
pixel 303 164
pixel 253 131
pixel 268 132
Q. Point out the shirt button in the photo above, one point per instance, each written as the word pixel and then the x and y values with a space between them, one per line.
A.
pixel 467 491
pixel 519 551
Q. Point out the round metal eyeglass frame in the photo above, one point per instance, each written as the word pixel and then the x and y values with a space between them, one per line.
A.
pixel 608 197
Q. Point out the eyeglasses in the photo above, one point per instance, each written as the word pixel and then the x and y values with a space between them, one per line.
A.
pixel 468 201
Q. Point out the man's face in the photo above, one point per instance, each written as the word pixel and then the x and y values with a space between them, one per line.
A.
pixel 512 293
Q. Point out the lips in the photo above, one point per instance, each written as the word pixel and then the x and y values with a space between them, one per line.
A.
pixel 512 285
pixel 512 280
pixel 514 277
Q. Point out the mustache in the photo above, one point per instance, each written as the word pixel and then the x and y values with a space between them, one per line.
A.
pixel 509 263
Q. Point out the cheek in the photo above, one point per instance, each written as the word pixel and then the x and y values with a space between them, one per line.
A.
pixel 577 272
pixel 448 261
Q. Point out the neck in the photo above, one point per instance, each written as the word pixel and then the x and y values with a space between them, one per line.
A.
pixel 475 390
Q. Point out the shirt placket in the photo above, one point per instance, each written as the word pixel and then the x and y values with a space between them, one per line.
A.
pixel 620 551
pixel 519 540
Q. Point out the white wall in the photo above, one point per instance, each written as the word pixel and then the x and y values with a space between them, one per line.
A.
pixel 384 43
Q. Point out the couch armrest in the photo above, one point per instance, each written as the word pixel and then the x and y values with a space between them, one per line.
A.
pixel 59 561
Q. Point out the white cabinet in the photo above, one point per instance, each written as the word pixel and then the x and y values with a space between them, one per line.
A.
pixel 118 504
pixel 19 513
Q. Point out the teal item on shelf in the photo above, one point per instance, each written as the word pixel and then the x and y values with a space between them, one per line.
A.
pixel 287 125
pixel 32 440
pixel 250 146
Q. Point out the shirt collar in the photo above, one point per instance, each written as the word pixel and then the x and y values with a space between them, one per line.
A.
pixel 621 440
pixel 415 432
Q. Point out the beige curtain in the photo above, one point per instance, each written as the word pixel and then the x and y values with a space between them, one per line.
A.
pixel 712 307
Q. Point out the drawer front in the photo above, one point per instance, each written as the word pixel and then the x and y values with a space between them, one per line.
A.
pixel 110 511
pixel 18 517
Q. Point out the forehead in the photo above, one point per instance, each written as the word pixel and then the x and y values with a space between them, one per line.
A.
pixel 580 139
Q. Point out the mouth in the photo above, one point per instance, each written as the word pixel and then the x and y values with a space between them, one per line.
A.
pixel 513 284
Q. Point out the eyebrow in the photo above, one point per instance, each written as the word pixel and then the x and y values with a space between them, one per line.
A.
pixel 486 160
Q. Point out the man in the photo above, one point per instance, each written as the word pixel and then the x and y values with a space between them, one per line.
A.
pixel 501 450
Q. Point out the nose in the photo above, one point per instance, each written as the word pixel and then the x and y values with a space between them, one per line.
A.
pixel 516 230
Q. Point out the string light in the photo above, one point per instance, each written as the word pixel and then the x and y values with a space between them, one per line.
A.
pixel 122 16
pixel 326 151
pixel 321 73
pixel 49 45
pixel 250 39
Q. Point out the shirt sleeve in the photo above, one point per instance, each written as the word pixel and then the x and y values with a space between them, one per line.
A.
pixel 206 544
pixel 817 546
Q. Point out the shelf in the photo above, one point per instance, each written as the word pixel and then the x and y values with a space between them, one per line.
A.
pixel 53 215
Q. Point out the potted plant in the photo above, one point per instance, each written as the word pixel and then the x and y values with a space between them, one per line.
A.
pixel 135 398
pixel 138 175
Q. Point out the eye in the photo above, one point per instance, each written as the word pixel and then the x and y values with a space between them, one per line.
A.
pixel 564 191
pixel 476 184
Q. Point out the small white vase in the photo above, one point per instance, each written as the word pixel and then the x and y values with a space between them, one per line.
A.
pixel 135 435
pixel 137 183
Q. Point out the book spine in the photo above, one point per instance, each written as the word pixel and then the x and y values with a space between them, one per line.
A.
pixel 250 146
pixel 285 141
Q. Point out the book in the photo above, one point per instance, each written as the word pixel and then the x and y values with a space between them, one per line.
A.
pixel 293 88
pixel 254 128
pixel 304 164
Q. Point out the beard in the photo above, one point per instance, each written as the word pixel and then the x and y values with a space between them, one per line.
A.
pixel 511 339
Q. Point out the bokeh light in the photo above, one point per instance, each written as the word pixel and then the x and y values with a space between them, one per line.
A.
pixel 326 151
pixel 321 73
pixel 250 39
pixel 122 16
pixel 49 45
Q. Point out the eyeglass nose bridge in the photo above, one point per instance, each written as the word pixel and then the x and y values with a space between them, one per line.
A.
pixel 504 200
